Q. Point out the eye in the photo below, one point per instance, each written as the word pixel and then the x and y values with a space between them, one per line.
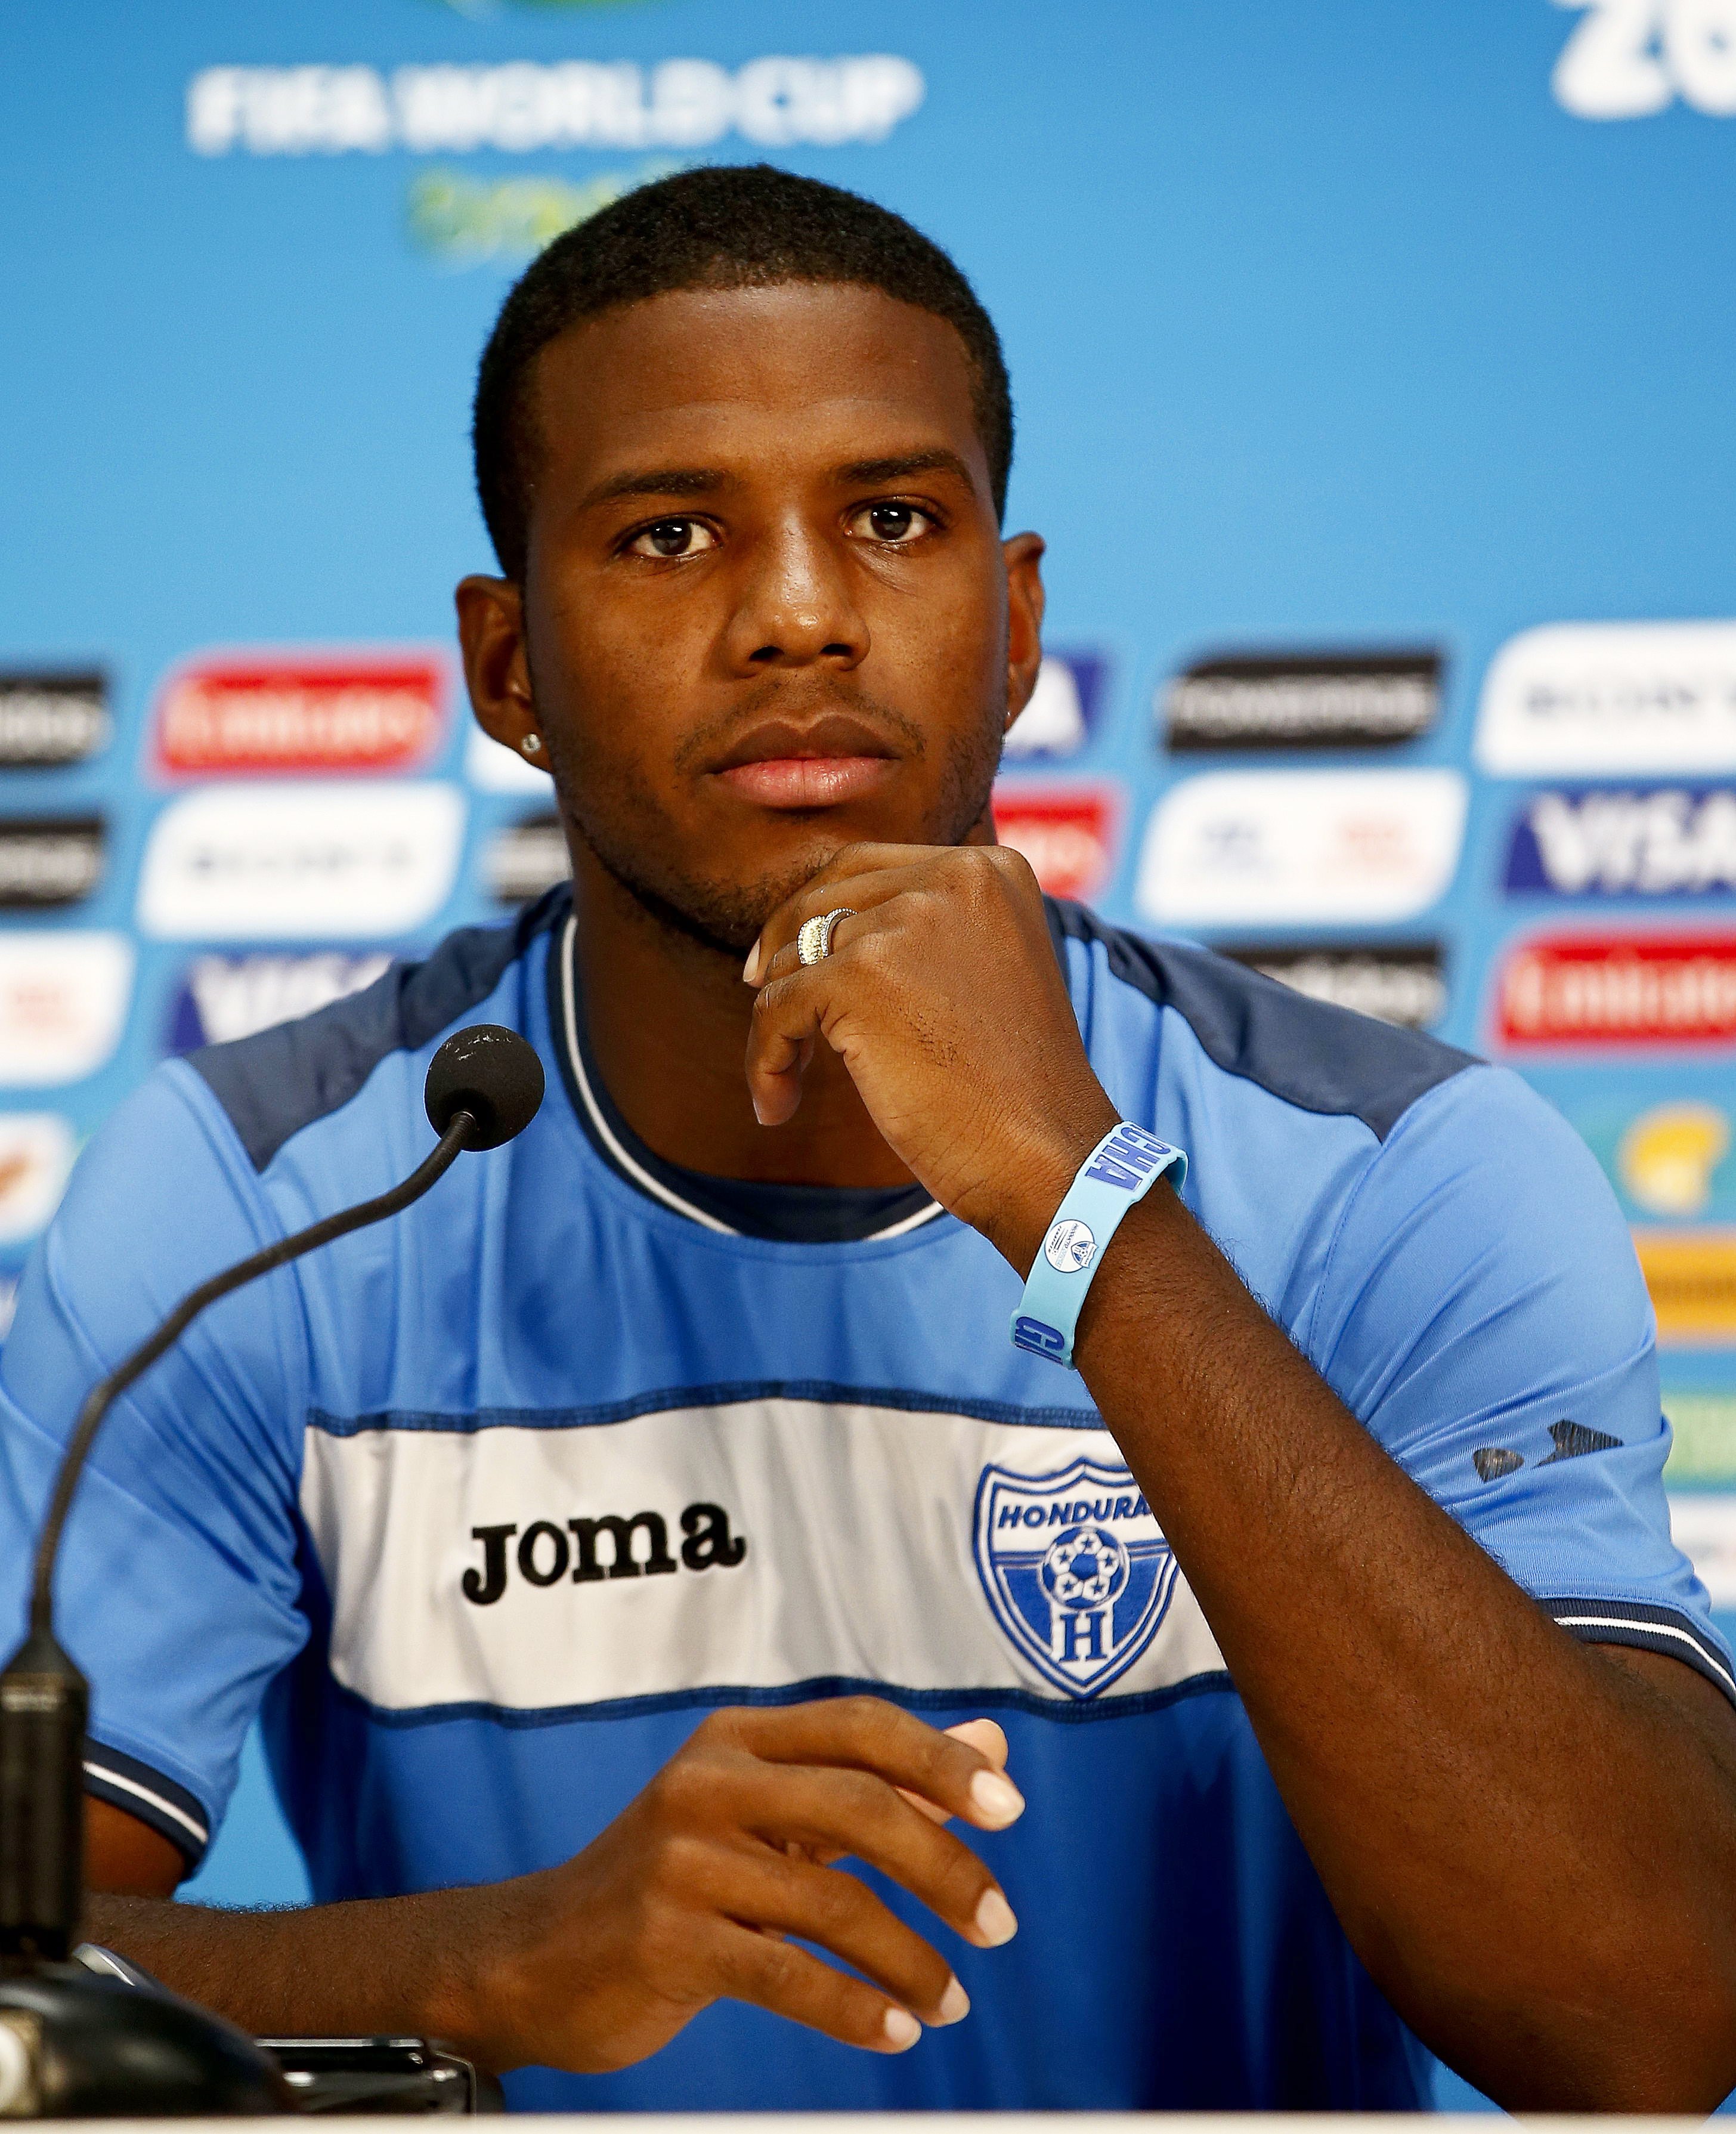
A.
pixel 673 537
pixel 895 525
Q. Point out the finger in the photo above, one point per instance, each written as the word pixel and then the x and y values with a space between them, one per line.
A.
pixel 985 1736
pixel 789 1019
pixel 861 876
pixel 980 1734
pixel 783 1977
pixel 834 1911
pixel 830 1813
pixel 871 1734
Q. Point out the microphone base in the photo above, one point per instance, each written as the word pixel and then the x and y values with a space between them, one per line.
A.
pixel 75 2045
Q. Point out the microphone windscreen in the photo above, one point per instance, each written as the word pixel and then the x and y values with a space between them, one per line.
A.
pixel 491 1073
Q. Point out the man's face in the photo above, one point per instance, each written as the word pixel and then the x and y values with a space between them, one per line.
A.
pixel 767 609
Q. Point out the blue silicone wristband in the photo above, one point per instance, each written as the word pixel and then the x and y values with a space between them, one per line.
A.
pixel 1122 1168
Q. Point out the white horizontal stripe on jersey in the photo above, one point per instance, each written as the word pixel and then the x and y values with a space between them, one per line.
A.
pixel 859 1560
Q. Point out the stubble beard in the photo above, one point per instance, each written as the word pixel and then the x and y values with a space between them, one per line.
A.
pixel 630 836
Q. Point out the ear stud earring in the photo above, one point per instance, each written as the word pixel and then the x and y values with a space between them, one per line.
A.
pixel 531 744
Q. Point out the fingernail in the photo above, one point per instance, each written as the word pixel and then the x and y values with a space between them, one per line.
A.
pixel 994 1920
pixel 750 968
pixel 955 2004
pixel 757 1113
pixel 902 2029
pixel 997 1798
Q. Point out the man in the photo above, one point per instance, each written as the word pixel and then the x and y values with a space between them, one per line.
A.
pixel 613 1541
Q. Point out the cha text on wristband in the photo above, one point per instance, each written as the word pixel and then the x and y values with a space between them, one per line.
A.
pixel 1122 1169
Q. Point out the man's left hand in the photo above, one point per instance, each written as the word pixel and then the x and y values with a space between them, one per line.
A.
pixel 943 998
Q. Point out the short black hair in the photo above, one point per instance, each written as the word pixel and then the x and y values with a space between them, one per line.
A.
pixel 728 227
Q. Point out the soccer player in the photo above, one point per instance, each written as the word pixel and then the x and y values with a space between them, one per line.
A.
pixel 641 1549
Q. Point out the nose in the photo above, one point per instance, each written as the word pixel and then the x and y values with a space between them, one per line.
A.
pixel 796 608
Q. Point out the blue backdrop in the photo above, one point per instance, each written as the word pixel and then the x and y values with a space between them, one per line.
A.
pixel 1373 371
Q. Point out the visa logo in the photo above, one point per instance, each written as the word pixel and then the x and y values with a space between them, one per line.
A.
pixel 1661 841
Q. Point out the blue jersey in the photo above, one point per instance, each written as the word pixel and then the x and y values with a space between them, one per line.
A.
pixel 483 1508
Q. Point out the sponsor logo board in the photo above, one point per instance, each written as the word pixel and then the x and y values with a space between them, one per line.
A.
pixel 1668 1158
pixel 63 1004
pixel 1580 990
pixel 49 718
pixel 1692 1275
pixel 1704 1528
pixel 297 712
pixel 1302 848
pixel 1068 833
pixel 527 105
pixel 37 1149
pixel 1401 983
pixel 300 862
pixel 525 858
pixel 224 998
pixel 1301 700
pixel 1631 59
pixel 1611 700
pixel 1676 841
pixel 1065 707
pixel 1703 1445
pixel 50 859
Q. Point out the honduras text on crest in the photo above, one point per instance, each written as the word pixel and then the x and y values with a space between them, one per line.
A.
pixel 1076 1570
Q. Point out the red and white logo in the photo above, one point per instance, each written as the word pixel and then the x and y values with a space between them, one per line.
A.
pixel 1068 833
pixel 64 997
pixel 1632 989
pixel 290 713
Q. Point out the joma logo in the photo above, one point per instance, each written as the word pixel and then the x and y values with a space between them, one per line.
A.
pixel 545 1556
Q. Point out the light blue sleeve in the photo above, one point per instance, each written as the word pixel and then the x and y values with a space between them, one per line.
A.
pixel 1484 1313
pixel 178 1592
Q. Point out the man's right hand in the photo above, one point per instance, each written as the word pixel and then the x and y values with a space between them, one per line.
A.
pixel 687 1898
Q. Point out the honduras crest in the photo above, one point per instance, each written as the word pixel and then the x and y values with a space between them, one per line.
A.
pixel 1075 1568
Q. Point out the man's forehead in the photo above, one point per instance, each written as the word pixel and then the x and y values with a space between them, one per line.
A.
pixel 829 372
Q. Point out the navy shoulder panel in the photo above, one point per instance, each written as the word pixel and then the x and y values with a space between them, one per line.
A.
pixel 1312 1055
pixel 276 1082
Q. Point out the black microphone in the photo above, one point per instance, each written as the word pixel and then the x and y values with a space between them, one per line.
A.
pixel 483 1086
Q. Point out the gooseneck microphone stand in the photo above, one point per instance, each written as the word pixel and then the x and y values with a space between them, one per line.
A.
pixel 73 2044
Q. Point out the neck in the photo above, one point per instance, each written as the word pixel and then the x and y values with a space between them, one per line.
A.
pixel 667 1021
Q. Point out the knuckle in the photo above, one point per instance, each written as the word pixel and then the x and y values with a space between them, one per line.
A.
pixel 869 1802
pixel 871 1721
pixel 769 1002
pixel 962 1879
pixel 781 1965
pixel 687 1790
pixel 685 1863
pixel 835 1900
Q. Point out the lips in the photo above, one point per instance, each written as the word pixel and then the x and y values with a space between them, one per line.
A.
pixel 815 763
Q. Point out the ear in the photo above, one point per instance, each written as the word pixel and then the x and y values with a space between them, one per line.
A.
pixel 1024 555
pixel 496 670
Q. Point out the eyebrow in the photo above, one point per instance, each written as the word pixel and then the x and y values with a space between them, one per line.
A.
pixel 939 461
pixel 657 481
pixel 704 481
